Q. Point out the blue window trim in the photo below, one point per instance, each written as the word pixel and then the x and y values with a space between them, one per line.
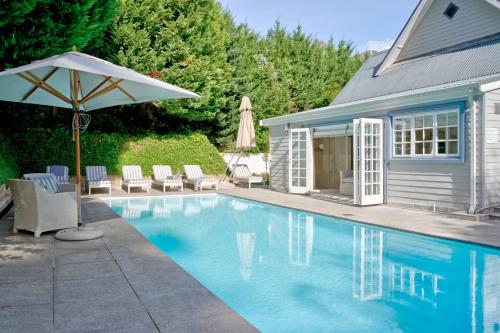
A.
pixel 430 159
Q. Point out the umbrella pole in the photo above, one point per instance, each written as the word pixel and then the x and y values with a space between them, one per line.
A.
pixel 84 233
pixel 78 180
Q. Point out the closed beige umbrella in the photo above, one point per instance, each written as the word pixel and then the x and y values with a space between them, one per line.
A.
pixel 246 132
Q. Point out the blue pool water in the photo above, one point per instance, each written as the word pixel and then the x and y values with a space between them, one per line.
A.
pixel 292 271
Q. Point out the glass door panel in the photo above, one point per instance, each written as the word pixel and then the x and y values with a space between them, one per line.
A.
pixel 300 170
pixel 368 161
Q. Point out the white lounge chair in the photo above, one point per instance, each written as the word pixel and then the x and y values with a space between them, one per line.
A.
pixel 194 176
pixel 242 174
pixel 37 208
pixel 132 177
pixel 60 171
pixel 163 177
pixel 97 177
pixel 346 182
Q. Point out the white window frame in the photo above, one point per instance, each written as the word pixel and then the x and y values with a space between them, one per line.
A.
pixel 435 154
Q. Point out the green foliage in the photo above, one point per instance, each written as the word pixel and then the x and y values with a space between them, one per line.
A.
pixel 173 150
pixel 8 166
pixel 39 148
pixel 286 72
pixel 192 44
pixel 184 43
pixel 36 29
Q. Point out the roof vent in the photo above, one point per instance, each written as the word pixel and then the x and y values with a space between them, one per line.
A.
pixel 451 10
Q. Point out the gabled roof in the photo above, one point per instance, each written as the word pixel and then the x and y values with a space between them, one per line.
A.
pixel 450 66
pixel 412 23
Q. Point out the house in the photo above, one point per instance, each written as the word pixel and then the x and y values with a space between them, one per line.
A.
pixel 417 126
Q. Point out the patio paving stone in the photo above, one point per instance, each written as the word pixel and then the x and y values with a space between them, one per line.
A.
pixel 95 289
pixel 27 319
pixel 21 272
pixel 26 293
pixel 88 270
pixel 117 315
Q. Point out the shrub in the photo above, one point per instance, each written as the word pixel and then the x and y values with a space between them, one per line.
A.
pixel 38 148
pixel 8 166
pixel 174 150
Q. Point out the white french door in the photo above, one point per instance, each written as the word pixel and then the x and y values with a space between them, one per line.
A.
pixel 300 161
pixel 368 161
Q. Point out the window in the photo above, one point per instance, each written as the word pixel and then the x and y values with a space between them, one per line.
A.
pixel 447 133
pixel 426 135
pixel 402 137
pixel 451 10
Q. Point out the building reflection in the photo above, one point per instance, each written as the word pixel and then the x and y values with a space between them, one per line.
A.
pixel 402 275
pixel 368 247
pixel 300 238
pixel 427 277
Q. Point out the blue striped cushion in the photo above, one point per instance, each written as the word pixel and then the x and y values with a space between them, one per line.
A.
pixel 47 181
pixel 60 172
pixel 96 173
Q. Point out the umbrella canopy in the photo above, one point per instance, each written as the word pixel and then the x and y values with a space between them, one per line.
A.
pixel 246 132
pixel 82 83
pixel 100 84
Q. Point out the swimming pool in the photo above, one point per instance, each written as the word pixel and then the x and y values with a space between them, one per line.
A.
pixel 287 270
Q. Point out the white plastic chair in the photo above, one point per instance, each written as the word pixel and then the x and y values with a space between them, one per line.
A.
pixel 163 177
pixel 96 176
pixel 132 177
pixel 195 176
pixel 242 174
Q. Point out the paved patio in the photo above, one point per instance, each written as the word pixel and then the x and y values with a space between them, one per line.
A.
pixel 118 283
pixel 123 283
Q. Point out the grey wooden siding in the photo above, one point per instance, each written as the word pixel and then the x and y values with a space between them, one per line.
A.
pixel 445 186
pixel 492 150
pixel 474 19
pixel 278 146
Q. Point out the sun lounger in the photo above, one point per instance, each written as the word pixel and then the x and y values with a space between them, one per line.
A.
pixel 43 205
pixel 97 177
pixel 194 176
pixel 132 177
pixel 61 173
pixel 163 177
pixel 242 174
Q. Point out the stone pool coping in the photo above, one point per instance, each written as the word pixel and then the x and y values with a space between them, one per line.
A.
pixel 411 220
pixel 120 282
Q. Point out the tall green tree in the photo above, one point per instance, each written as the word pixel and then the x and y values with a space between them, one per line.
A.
pixel 286 72
pixel 36 29
pixel 185 43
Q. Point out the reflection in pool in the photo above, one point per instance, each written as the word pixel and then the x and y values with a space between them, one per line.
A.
pixel 292 271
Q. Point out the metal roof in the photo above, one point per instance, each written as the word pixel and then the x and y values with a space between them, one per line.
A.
pixel 438 69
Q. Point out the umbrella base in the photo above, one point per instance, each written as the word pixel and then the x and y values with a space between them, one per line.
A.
pixel 78 234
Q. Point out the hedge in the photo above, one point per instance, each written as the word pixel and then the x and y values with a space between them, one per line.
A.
pixel 8 166
pixel 38 148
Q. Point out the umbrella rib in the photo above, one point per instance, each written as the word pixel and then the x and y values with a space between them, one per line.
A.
pixel 84 98
pixel 102 91
pixel 52 72
pixel 43 85
pixel 123 90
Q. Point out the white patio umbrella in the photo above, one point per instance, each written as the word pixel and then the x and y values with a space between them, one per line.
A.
pixel 81 82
